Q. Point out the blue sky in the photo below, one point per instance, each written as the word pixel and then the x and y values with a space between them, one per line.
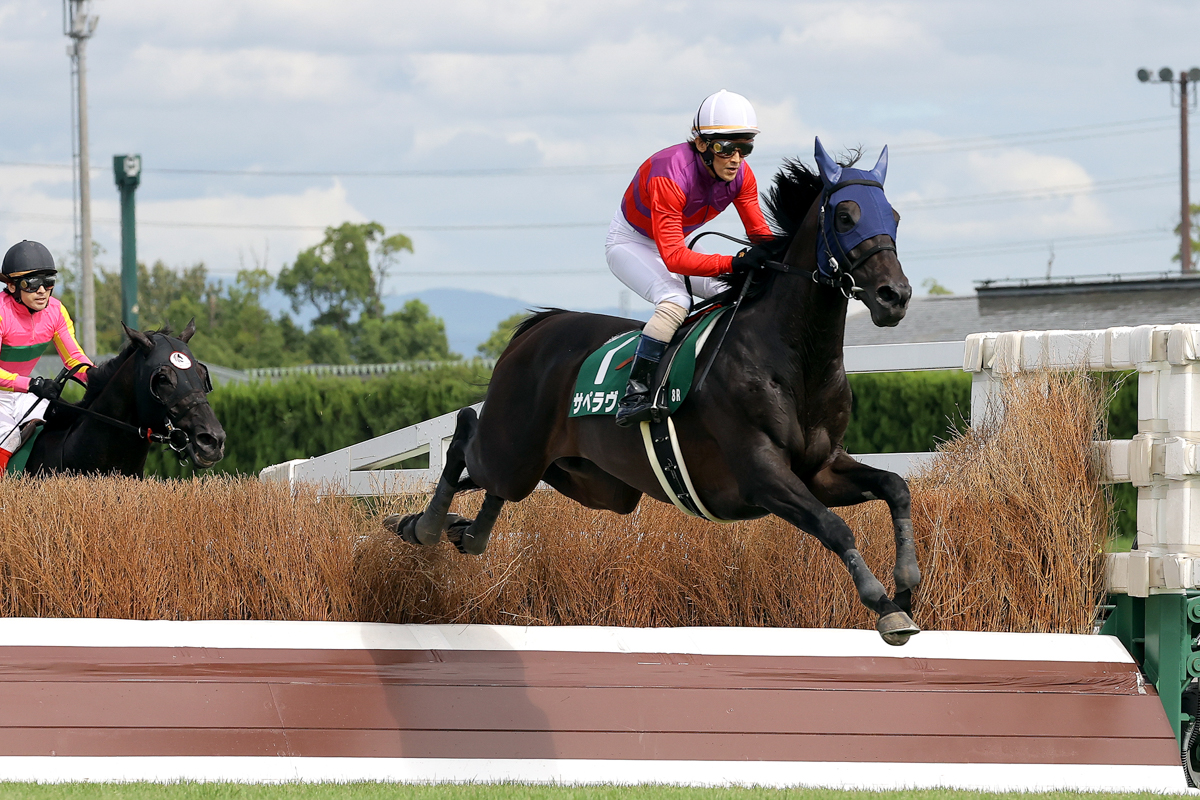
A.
pixel 527 120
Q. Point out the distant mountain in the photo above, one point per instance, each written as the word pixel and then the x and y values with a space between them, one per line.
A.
pixel 471 317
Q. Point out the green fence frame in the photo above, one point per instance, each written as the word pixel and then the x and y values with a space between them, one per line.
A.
pixel 1160 633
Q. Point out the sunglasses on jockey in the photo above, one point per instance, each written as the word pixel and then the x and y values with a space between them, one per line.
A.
pixel 724 148
pixel 31 283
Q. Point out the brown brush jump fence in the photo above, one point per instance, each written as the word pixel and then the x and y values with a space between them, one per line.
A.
pixel 1010 519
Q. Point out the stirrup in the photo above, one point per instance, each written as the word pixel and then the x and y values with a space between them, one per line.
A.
pixel 628 416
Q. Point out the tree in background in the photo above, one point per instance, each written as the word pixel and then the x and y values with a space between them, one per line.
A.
pixel 233 328
pixel 343 275
pixel 500 337
pixel 410 334
pixel 932 287
pixel 1194 211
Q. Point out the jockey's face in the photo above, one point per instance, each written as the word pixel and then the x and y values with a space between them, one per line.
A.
pixel 725 165
pixel 36 301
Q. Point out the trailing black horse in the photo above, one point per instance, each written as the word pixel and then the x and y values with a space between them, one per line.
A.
pixel 154 390
pixel 762 435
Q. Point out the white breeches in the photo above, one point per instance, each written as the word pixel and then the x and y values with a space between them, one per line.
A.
pixel 634 259
pixel 13 406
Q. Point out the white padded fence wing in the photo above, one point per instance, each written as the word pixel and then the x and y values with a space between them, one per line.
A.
pixel 1163 458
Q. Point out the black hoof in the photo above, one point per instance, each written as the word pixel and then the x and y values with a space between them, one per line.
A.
pixel 406 526
pixel 455 531
pixel 403 526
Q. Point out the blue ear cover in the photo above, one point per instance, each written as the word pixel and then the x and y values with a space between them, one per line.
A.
pixel 831 171
pixel 880 171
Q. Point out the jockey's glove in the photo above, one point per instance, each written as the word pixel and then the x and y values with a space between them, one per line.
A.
pixel 755 257
pixel 44 388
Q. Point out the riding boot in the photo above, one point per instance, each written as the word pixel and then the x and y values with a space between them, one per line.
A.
pixel 635 406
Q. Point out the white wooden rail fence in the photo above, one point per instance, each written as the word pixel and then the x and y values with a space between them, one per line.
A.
pixel 1162 460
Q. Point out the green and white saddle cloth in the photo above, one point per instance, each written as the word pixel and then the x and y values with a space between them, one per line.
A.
pixel 602 378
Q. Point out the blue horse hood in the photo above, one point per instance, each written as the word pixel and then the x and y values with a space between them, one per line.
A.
pixel 864 187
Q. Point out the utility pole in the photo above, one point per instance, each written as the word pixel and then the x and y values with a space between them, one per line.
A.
pixel 127 170
pixel 1187 82
pixel 1185 214
pixel 80 24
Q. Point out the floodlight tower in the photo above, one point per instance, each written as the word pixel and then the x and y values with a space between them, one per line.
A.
pixel 1191 76
pixel 79 24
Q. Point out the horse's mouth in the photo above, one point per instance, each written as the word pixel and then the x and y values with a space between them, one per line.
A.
pixel 204 463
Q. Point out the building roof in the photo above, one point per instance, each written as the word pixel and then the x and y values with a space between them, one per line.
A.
pixel 1034 306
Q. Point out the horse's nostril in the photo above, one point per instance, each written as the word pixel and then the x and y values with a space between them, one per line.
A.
pixel 888 296
pixel 207 441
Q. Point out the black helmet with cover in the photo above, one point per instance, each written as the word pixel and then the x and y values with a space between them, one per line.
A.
pixel 26 257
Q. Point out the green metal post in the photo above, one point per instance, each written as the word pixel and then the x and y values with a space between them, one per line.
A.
pixel 1167 653
pixel 1160 633
pixel 128 173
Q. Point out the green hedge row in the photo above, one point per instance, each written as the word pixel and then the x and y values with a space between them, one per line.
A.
pixel 305 416
pixel 906 412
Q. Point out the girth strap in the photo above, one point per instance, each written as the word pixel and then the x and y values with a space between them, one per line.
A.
pixel 666 459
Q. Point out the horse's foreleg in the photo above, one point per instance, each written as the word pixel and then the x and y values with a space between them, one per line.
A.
pixel 773 486
pixel 471 536
pixel 846 482
pixel 426 528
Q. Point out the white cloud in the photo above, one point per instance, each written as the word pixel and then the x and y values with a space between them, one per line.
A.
pixel 846 29
pixel 264 74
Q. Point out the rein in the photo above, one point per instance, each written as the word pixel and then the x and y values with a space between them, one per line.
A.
pixel 175 438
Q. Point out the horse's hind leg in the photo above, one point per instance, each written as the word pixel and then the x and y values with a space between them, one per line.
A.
pixel 846 482
pixel 426 528
pixel 471 536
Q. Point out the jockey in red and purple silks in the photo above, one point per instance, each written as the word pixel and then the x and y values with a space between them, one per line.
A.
pixel 673 193
pixel 30 321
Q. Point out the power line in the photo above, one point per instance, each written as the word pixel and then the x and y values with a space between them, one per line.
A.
pixel 1049 192
pixel 1036 245
pixel 1050 135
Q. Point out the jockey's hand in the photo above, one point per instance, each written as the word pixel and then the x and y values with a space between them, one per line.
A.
pixel 750 258
pixel 44 388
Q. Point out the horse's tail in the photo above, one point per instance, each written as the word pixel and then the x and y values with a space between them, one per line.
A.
pixel 530 322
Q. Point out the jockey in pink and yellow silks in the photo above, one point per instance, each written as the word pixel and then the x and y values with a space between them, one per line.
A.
pixel 30 321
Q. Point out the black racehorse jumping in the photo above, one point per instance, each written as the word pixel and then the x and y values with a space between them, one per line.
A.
pixel 762 434
pixel 154 390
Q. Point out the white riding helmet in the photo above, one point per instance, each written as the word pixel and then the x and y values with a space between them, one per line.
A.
pixel 725 114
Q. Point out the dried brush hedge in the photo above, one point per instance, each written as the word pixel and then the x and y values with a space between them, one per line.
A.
pixel 1010 523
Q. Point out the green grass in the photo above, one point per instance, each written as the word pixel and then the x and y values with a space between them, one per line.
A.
pixel 392 791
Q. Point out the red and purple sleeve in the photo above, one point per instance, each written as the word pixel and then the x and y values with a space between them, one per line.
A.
pixel 666 225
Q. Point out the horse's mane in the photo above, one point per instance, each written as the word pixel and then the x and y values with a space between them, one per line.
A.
pixel 533 319
pixel 795 188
